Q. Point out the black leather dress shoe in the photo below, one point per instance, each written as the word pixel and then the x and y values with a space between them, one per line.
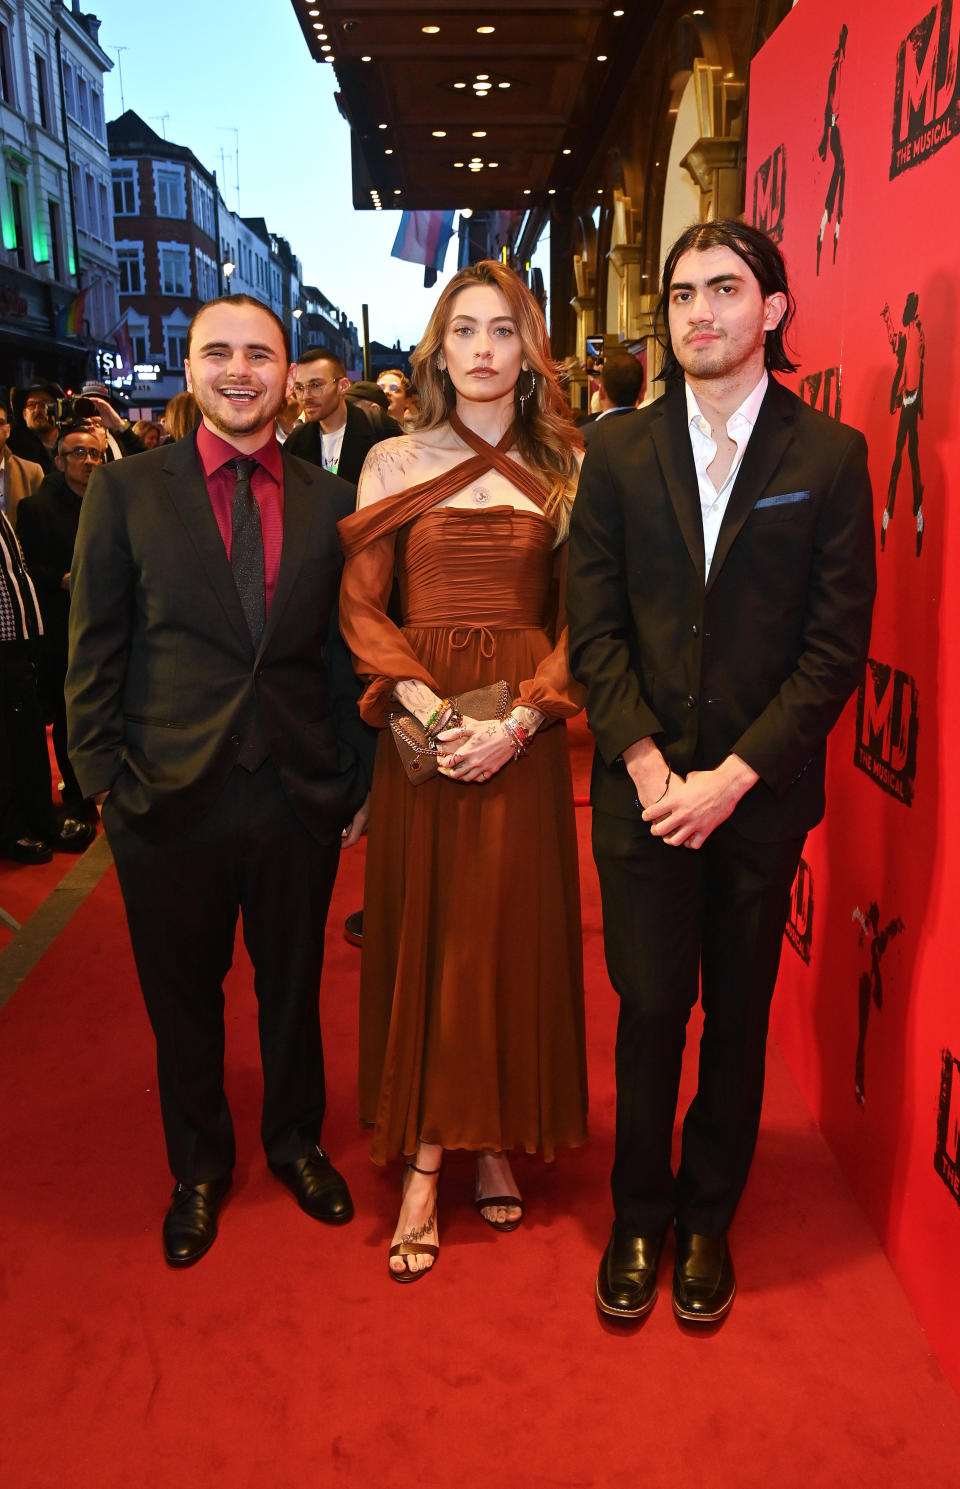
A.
pixel 74 836
pixel 703 1280
pixel 190 1224
pixel 353 928
pixel 26 850
pixel 317 1187
pixel 627 1278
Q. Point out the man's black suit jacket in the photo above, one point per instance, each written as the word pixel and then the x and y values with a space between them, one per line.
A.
pixel 359 437
pixel 759 659
pixel 163 677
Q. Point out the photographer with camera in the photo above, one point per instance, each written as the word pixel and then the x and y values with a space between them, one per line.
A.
pixel 35 429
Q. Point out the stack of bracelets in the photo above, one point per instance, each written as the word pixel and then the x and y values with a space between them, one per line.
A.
pixel 518 734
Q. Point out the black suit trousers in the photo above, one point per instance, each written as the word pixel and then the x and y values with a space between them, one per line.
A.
pixel 247 854
pixel 675 919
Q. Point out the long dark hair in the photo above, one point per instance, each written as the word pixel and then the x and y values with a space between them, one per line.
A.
pixel 761 256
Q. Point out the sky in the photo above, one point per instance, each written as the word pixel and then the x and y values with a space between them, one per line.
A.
pixel 214 67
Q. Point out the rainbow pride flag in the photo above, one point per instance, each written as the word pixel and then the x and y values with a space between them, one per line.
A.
pixel 70 317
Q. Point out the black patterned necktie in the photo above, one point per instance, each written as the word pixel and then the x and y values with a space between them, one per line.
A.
pixel 246 551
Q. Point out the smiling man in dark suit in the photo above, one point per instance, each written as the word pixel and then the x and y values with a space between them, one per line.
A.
pixel 721 586
pixel 213 714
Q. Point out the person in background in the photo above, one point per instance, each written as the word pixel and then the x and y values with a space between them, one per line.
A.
pixel 335 435
pixel 471 1004
pixel 148 433
pixel 35 428
pixel 621 388
pixel 47 530
pixel 118 436
pixel 402 398
pixel 18 477
pixel 181 416
pixel 29 827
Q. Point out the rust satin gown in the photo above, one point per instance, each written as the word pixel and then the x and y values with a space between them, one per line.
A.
pixel 471 995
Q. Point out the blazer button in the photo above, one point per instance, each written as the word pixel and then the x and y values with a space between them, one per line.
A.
pixel 691 701
pixel 234 739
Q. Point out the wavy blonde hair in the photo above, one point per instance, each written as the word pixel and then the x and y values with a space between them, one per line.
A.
pixel 546 435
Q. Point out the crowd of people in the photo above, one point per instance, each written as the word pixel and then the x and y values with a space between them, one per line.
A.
pixel 327 609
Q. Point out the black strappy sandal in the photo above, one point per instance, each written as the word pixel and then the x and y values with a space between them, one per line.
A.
pixel 411 1245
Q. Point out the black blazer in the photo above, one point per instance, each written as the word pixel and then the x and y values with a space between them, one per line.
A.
pixel 47 529
pixel 359 437
pixel 760 659
pixel 163 677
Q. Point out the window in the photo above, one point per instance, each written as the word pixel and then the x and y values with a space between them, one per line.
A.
pixel 104 210
pixel 55 239
pixel 174 270
pixel 131 269
pixel 16 202
pixel 83 99
pixel 138 339
pixel 43 112
pixel 176 348
pixel 70 88
pixel 6 67
pixel 169 192
pixel 124 191
pixel 93 216
pixel 79 209
pixel 203 206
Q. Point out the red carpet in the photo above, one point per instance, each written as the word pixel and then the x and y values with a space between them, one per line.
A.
pixel 288 1358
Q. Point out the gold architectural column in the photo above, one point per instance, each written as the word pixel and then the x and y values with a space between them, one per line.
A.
pixel 714 161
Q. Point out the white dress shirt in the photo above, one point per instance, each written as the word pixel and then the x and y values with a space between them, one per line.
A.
pixel 713 503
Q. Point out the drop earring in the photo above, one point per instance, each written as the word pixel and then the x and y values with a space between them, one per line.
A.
pixel 525 397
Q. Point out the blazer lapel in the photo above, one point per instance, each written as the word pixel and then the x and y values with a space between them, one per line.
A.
pixel 187 491
pixel 771 435
pixel 671 439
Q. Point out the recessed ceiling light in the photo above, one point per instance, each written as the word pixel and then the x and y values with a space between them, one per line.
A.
pixel 552 191
pixel 466 211
pixel 483 77
pixel 503 85
pixel 396 191
pixel 388 152
pixel 325 47
pixel 526 191
pixel 618 13
pixel 486 30
pixel 381 126
pixel 567 151
pixel 313 12
pixel 474 159
pixel 459 85
pixel 331 58
pixel 439 134
pixel 493 164
pixel 602 57
pixel 458 165
pixel 366 59
pixel 430 30
pixel 479 134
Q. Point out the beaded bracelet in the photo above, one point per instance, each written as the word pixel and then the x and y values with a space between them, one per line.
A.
pixel 518 734
pixel 442 708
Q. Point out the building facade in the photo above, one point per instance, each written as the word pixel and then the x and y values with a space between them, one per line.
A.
pixel 58 269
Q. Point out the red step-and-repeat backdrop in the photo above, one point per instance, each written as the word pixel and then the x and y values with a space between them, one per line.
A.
pixel 854 167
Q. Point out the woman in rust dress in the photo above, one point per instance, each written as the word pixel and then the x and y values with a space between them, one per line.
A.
pixel 471 1006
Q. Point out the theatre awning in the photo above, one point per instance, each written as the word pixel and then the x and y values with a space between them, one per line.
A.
pixel 488 106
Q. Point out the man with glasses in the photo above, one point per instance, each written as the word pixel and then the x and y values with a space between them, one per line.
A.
pixel 34 433
pixel 47 529
pixel 335 434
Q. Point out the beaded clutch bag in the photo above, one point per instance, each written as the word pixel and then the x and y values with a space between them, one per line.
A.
pixel 418 749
